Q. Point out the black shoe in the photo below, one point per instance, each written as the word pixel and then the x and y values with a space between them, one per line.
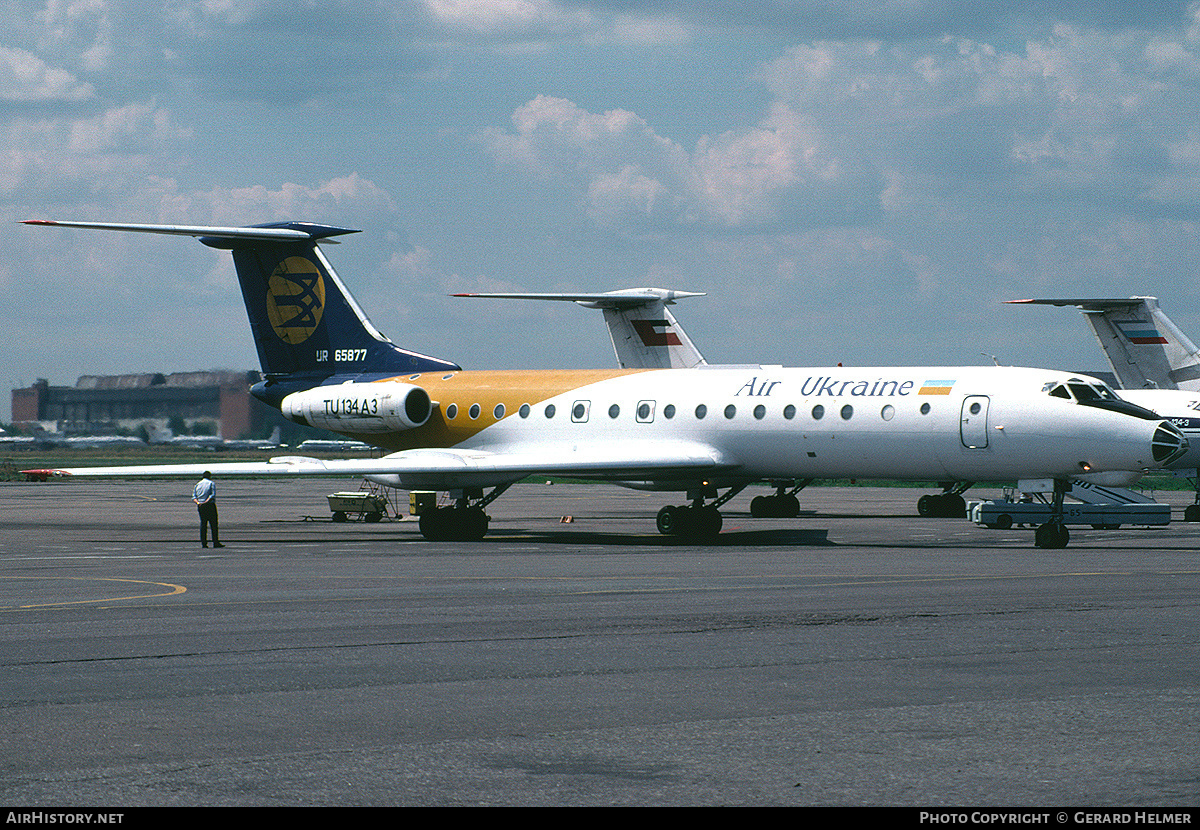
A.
pixel 217 545
pixel 204 544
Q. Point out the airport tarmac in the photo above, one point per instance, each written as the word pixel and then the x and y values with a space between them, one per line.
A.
pixel 857 655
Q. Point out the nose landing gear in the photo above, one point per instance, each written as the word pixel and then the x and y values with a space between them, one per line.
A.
pixel 1053 534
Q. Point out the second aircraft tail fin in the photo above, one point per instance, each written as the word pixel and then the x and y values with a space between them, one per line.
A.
pixel 645 335
pixel 1143 346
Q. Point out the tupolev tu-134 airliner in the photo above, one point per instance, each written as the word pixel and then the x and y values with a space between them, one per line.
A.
pixel 703 430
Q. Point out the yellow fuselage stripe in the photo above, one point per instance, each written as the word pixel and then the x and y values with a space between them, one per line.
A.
pixel 487 389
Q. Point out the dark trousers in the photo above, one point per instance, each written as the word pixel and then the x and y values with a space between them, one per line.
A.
pixel 208 516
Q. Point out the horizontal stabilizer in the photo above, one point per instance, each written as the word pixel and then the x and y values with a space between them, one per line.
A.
pixel 645 335
pixel 624 298
pixel 1097 304
pixel 281 232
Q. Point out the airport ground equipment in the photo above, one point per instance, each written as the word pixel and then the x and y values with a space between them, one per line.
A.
pixel 1101 507
pixel 366 506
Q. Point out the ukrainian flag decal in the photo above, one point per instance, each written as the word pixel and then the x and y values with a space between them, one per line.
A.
pixel 936 387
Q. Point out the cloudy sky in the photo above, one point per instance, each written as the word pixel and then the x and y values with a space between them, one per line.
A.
pixel 848 182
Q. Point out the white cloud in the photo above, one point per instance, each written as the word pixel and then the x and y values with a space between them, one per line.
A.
pixel 110 151
pixel 345 199
pixel 508 17
pixel 622 169
pixel 26 77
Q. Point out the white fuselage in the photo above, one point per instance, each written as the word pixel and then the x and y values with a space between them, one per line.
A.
pixel 764 422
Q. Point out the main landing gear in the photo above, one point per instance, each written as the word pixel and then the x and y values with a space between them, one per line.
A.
pixel 464 521
pixel 948 504
pixel 696 521
pixel 1054 534
pixel 780 505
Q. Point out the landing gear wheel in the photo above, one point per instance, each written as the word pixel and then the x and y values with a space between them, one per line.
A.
pixel 708 522
pixel 668 520
pixel 778 506
pixel 454 524
pixel 690 521
pixel 1052 535
pixel 1192 513
pixel 954 506
pixel 942 506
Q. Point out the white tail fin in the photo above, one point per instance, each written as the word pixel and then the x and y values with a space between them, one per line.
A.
pixel 1145 349
pixel 644 333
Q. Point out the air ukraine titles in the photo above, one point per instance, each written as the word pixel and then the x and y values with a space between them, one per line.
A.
pixel 836 387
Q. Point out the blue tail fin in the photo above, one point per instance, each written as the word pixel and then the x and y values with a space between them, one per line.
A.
pixel 305 322
pixel 303 319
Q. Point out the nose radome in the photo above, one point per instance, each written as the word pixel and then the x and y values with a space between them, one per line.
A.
pixel 1168 444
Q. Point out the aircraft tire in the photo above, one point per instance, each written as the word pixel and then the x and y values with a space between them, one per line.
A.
pixel 1192 513
pixel 784 506
pixel 668 520
pixel 1052 536
pixel 942 506
pixel 708 522
pixel 432 525
pixel 454 524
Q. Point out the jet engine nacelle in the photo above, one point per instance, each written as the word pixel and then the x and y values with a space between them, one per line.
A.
pixel 369 408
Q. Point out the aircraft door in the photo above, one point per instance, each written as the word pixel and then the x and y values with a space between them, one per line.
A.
pixel 972 426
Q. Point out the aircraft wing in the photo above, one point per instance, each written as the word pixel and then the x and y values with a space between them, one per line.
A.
pixel 445 469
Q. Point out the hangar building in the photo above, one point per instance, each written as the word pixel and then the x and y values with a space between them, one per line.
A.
pixel 101 404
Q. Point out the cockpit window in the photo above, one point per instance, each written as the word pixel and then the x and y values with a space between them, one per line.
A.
pixel 1097 394
pixel 1085 393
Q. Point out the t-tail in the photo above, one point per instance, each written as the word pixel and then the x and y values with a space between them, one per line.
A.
pixel 645 335
pixel 1145 349
pixel 307 327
